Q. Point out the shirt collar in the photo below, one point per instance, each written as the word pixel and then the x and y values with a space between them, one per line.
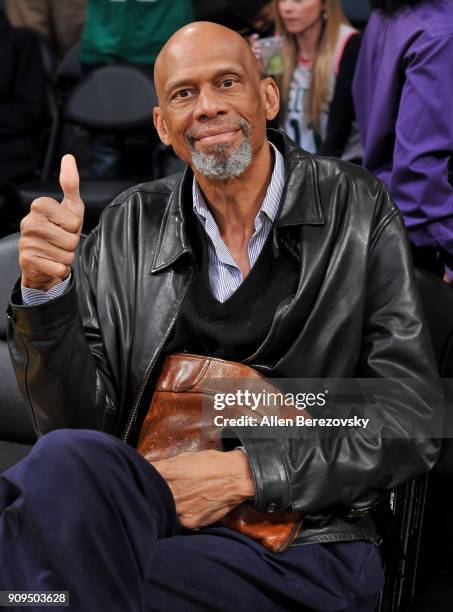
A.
pixel 271 200
pixel 301 204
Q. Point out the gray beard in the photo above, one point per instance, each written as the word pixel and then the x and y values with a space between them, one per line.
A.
pixel 221 166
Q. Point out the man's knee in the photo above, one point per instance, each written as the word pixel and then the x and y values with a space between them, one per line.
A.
pixel 76 454
pixel 67 464
pixel 56 469
pixel 71 450
pixel 62 445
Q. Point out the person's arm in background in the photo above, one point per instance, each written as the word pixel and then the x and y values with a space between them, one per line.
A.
pixel 341 109
pixel 25 107
pixel 423 151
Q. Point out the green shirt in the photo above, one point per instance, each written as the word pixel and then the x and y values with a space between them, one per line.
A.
pixel 131 31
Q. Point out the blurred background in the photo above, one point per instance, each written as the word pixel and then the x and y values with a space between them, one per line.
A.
pixel 76 76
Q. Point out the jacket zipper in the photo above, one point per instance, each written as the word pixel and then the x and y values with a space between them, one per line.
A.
pixel 150 367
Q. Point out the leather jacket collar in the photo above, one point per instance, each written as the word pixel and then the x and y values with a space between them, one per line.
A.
pixel 300 205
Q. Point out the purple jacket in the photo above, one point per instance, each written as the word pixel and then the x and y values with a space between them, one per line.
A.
pixel 403 93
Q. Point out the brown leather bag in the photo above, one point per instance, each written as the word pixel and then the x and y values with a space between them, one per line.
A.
pixel 180 419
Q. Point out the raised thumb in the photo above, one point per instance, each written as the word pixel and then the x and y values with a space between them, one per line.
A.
pixel 69 181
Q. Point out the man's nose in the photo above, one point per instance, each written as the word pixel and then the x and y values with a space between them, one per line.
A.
pixel 209 104
pixel 285 7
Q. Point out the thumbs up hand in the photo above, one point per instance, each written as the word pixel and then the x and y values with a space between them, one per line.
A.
pixel 50 233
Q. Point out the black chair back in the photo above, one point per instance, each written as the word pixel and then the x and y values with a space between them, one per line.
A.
pixel 113 98
pixel 9 273
pixel 15 420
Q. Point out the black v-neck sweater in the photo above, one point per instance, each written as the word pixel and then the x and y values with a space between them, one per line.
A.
pixel 233 329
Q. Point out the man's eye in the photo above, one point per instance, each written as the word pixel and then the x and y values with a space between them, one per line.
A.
pixel 228 82
pixel 183 93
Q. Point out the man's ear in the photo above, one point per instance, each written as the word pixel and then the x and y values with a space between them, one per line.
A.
pixel 160 126
pixel 271 97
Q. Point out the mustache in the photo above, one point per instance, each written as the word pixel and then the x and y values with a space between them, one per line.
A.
pixel 242 124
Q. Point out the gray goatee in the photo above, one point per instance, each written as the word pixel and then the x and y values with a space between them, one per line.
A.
pixel 220 164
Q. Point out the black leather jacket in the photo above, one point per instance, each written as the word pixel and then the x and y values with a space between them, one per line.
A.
pixel 88 358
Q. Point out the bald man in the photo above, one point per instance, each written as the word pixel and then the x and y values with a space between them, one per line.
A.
pixel 258 253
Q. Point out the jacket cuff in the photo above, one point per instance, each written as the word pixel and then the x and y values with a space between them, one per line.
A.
pixel 273 490
pixel 42 319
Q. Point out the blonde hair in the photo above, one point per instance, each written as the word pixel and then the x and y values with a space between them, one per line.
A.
pixel 321 77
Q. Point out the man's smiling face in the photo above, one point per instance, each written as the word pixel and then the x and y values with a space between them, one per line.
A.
pixel 213 103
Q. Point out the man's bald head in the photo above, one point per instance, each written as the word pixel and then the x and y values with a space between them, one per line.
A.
pixel 196 42
pixel 213 103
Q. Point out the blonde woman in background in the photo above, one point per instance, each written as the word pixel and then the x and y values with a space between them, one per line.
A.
pixel 320 51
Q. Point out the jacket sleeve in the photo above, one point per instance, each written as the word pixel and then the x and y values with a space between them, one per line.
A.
pixel 319 471
pixel 60 364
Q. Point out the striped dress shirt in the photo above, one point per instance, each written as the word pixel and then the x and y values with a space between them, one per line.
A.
pixel 225 275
